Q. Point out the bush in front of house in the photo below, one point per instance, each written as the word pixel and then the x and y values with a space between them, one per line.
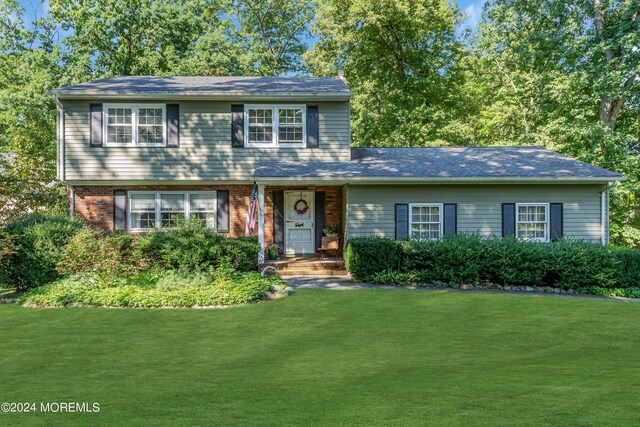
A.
pixel 192 247
pixel 38 240
pixel 366 256
pixel 469 259
pixel 107 255
pixel 165 289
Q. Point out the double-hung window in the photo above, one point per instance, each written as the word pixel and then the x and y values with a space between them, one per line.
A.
pixel 130 125
pixel 273 125
pixel 150 210
pixel 425 221
pixel 532 221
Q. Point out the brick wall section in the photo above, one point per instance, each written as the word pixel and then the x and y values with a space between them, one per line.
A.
pixel 94 204
pixel 333 207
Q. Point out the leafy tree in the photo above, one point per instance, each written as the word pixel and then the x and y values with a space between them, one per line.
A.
pixel 28 68
pixel 564 75
pixel 402 61
pixel 272 34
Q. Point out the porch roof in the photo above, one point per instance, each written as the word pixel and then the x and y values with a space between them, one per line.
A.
pixel 442 164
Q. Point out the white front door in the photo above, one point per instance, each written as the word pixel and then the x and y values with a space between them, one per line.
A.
pixel 298 222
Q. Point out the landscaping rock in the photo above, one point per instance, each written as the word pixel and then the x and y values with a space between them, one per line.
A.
pixel 289 290
pixel 528 288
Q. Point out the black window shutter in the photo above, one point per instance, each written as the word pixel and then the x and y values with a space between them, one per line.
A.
pixel 237 126
pixel 320 218
pixel 402 221
pixel 508 219
pixel 555 221
pixel 313 125
pixel 173 125
pixel 278 218
pixel 450 218
pixel 222 211
pixel 95 113
pixel 119 210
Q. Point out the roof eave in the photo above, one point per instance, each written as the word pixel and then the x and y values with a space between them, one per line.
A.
pixel 186 95
pixel 441 180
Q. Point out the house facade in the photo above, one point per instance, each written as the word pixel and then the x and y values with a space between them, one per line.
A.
pixel 141 153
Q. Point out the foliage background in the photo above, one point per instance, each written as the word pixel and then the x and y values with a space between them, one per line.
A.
pixel 562 75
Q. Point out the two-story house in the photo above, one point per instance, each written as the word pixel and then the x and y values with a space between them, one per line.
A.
pixel 141 153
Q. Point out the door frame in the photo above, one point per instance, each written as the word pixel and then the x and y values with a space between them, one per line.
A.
pixel 312 205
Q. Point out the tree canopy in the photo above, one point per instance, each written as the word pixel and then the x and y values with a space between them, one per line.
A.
pixel 562 75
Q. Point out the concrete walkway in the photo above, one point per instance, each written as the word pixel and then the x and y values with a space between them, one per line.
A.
pixel 346 283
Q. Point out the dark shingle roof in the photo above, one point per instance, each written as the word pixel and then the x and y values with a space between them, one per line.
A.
pixel 209 86
pixel 443 163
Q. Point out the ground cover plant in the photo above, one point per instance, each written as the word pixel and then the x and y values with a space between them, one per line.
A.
pixel 469 259
pixel 55 261
pixel 369 357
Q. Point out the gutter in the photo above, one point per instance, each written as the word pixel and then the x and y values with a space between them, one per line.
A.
pixel 439 180
pixel 604 212
pixel 182 95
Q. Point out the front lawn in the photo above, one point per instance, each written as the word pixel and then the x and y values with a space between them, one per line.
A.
pixel 369 357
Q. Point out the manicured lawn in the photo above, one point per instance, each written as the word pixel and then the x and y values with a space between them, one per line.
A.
pixel 331 358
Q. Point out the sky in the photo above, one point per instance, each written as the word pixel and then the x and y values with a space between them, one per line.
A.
pixel 472 8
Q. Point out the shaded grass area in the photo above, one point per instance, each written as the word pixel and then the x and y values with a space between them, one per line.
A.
pixel 380 357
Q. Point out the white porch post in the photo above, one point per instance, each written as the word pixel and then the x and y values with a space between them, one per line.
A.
pixel 261 223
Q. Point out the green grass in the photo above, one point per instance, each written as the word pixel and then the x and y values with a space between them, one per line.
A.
pixel 373 357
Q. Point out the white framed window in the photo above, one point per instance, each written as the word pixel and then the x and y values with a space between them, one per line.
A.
pixel 129 125
pixel 532 221
pixel 425 221
pixel 275 125
pixel 162 210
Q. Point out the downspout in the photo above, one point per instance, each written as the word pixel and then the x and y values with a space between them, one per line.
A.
pixel 604 213
pixel 61 155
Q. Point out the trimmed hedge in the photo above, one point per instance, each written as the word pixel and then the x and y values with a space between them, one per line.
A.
pixel 470 259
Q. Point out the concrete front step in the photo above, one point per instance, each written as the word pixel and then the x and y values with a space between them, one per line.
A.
pixel 313 264
pixel 288 272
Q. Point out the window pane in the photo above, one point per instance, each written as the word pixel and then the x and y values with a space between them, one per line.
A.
pixel 172 202
pixel 119 116
pixel 260 116
pixel 143 210
pixel 203 202
pixel 143 202
pixel 290 125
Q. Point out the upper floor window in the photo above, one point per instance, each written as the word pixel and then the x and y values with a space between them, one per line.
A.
pixel 142 125
pixel 273 125
pixel 425 221
pixel 532 221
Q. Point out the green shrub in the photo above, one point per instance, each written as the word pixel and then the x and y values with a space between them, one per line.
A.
pixel 577 264
pixel 366 256
pixel 455 259
pixel 192 247
pixel 512 262
pixel 108 255
pixel 7 247
pixel 242 252
pixel 39 239
pixel 469 259
pixel 85 290
pixel 628 271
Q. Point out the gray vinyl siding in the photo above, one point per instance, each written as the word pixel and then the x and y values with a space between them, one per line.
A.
pixel 205 151
pixel 370 209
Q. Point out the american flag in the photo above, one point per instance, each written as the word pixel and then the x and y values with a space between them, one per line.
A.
pixel 252 213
